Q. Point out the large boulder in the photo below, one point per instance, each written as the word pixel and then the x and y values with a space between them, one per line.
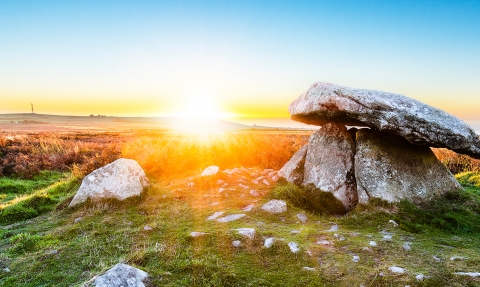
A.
pixel 293 170
pixel 419 123
pixel 389 167
pixel 122 275
pixel 120 179
pixel 329 163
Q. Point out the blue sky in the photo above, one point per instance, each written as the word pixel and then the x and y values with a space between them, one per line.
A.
pixel 251 57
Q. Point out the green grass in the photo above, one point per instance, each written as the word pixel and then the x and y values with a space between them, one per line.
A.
pixel 14 187
pixel 55 249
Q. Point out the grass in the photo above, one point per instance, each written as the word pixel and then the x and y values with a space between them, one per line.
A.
pixel 63 246
pixel 14 187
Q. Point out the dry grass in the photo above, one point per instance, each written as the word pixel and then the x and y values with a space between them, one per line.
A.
pixel 455 162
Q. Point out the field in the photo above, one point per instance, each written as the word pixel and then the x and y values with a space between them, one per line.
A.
pixel 45 243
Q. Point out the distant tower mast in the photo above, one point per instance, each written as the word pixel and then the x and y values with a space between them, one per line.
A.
pixel 32 108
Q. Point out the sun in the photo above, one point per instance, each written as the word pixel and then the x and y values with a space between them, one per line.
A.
pixel 201 116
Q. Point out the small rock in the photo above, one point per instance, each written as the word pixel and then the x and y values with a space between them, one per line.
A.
pixel 6 269
pixel 367 249
pixel 211 170
pixel 254 193
pixel 420 277
pixel 355 258
pixel 236 243
pixel 248 208
pixel 275 178
pixel 121 275
pixel 231 217
pixel 77 219
pixel 323 242
pixel 248 232
pixel 387 238
pixel 457 258
pixel 396 269
pixel 393 222
pixel 266 182
pixel 216 215
pixel 293 247
pixel 190 184
pixel 147 228
pixel 333 228
pixel 302 217
pixel 214 203
pixel 295 231
pixel 53 252
pixel 308 269
pixel 372 243
pixel 255 181
pixel 221 189
pixel 275 206
pixel 197 234
pixel 220 182
pixel 471 274
pixel 243 186
pixel 407 247
pixel 436 258
pixel 269 242
pixel 272 173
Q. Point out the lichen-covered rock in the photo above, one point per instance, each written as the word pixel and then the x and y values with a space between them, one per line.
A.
pixel 122 275
pixel 120 179
pixel 211 170
pixel 419 123
pixel 389 167
pixel 329 163
pixel 293 170
pixel 275 206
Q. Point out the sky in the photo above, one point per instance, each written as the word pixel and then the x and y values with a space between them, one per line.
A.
pixel 250 58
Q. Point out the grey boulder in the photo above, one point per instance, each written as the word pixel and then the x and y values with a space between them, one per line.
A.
pixel 419 123
pixel 120 179
pixel 122 275
pixel 329 163
pixel 389 167
pixel 293 170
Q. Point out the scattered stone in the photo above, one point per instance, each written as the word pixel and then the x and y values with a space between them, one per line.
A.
pixel 120 179
pixel 293 247
pixel 436 258
pixel 420 277
pixel 221 189
pixel 293 170
pixel 122 275
pixel 220 182
pixel 248 208
pixel 214 203
pixel 305 268
pixel 457 258
pixel 197 234
pixel 147 228
pixel 275 178
pixel 269 242
pixel 231 217
pixel 211 170
pixel 302 217
pixel 393 222
pixel 77 219
pixel 266 182
pixel 275 206
pixel 190 184
pixel 236 243
pixel 387 237
pixel 372 243
pixel 323 242
pixel 355 258
pixel 255 181
pixel 6 269
pixel 471 274
pixel 405 171
pixel 294 232
pixel 216 215
pixel 407 247
pixel 419 123
pixel 367 249
pixel 329 163
pixel 333 228
pixel 248 232
pixel 53 252
pixel 243 186
pixel 395 269
pixel 254 193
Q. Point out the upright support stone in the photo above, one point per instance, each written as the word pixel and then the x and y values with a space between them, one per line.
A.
pixel 293 170
pixel 387 166
pixel 329 163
